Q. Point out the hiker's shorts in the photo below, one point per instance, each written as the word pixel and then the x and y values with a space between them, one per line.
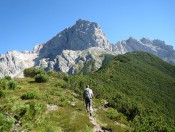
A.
pixel 88 102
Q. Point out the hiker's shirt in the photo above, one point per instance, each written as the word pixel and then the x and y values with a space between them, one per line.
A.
pixel 90 92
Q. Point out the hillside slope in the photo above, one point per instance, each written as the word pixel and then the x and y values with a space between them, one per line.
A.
pixel 54 106
pixel 139 85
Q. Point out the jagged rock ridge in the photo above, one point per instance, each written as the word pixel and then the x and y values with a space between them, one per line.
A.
pixel 73 48
pixel 156 47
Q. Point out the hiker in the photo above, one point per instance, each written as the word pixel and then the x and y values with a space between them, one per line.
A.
pixel 88 95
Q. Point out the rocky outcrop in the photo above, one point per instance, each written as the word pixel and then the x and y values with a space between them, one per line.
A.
pixel 14 62
pixel 72 62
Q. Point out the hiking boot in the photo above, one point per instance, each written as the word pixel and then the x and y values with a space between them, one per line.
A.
pixel 90 114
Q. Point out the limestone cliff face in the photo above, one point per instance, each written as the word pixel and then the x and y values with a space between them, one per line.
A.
pixel 13 63
pixel 78 48
pixel 71 61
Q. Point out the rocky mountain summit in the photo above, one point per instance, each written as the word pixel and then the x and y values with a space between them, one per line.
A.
pixel 77 49
pixel 81 36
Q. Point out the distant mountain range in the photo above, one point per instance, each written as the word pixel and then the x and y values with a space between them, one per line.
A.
pixel 73 48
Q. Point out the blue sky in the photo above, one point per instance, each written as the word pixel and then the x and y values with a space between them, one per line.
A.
pixel 25 23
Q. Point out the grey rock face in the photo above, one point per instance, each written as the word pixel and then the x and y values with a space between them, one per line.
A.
pixel 70 61
pixel 14 62
pixel 77 49
pixel 156 47
pixel 37 49
pixel 82 35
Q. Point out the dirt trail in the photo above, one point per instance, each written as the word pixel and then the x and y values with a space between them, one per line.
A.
pixel 97 127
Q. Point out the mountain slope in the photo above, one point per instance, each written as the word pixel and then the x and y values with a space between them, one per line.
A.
pixel 32 106
pixel 54 105
pixel 139 85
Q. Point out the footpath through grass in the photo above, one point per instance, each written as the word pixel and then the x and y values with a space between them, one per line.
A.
pixel 41 107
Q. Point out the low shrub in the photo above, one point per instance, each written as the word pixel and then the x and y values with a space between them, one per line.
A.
pixel 24 110
pixel 2 93
pixel 29 95
pixel 52 73
pixel 32 72
pixel 63 100
pixel 62 84
pixel 7 84
pixel 78 91
pixel 6 123
pixel 36 106
pixel 8 77
pixel 113 114
pixel 41 78
pixel 12 85
pixel 62 75
pixel 3 84
pixel 66 78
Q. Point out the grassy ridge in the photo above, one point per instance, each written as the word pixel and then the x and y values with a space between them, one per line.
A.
pixel 141 87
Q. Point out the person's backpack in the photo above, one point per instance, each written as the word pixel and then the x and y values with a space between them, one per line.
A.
pixel 86 94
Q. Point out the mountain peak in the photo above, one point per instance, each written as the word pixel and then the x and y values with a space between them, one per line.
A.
pixel 79 21
pixel 145 40
pixel 132 40
pixel 86 22
pixel 83 35
pixel 86 26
